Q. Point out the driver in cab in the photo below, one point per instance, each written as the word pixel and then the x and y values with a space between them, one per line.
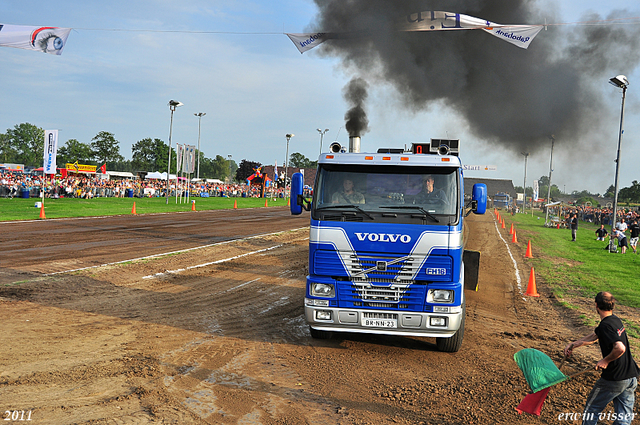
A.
pixel 429 192
pixel 347 195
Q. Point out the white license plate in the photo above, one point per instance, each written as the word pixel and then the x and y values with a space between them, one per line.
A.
pixel 380 323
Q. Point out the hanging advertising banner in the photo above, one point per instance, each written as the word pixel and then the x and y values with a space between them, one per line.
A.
pixel 80 168
pixel 535 190
pixel 432 20
pixel 480 167
pixel 42 39
pixel 179 157
pixel 50 151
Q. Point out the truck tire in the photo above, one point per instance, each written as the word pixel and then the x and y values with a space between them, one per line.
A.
pixel 453 344
pixel 318 334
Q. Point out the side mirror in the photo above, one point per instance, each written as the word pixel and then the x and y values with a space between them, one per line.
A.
pixel 479 197
pixel 297 185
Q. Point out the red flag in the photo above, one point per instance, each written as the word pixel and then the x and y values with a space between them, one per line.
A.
pixel 63 173
pixel 103 169
pixel 533 402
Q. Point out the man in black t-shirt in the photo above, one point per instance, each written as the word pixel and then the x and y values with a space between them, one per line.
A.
pixel 619 371
pixel 635 232
pixel 601 233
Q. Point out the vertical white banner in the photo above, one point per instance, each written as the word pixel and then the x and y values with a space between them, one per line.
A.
pixel 535 190
pixel 192 162
pixel 179 156
pixel 50 151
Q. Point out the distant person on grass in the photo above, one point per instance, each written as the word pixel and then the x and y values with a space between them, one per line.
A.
pixel 574 227
pixel 619 371
pixel 622 240
pixel 601 233
pixel 635 232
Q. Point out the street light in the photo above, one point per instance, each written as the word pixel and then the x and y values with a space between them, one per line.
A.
pixel 229 159
pixel 622 82
pixel 524 200
pixel 286 162
pixel 549 188
pixel 199 115
pixel 321 136
pixel 173 104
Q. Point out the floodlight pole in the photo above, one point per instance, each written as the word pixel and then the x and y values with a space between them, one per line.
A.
pixel 286 164
pixel 546 217
pixel 612 247
pixel 199 115
pixel 173 104
pixel 524 187
pixel 322 133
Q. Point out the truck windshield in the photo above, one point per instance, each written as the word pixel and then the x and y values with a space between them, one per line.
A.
pixel 390 194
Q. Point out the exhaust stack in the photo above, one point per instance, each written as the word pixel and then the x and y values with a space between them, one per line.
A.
pixel 354 144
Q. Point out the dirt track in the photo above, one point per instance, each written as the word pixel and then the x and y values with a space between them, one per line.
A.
pixel 216 335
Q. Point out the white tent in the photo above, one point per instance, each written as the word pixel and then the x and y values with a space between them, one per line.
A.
pixel 159 176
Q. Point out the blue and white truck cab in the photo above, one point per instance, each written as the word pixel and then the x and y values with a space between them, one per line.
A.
pixel 386 248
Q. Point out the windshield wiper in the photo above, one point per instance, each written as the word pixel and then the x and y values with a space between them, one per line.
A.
pixel 413 207
pixel 346 206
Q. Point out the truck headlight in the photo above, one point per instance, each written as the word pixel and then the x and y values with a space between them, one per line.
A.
pixel 322 290
pixel 440 296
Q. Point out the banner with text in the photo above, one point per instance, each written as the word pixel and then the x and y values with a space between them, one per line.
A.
pixel 50 151
pixel 432 20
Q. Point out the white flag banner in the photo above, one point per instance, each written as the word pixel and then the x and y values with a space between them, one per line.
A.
pixel 179 157
pixel 536 189
pixel 50 151
pixel 306 42
pixel 431 20
pixel 43 39
pixel 192 159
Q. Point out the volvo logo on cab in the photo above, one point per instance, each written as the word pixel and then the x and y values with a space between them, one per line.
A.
pixel 383 237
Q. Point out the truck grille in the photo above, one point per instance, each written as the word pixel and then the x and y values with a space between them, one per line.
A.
pixel 382 268
pixel 367 292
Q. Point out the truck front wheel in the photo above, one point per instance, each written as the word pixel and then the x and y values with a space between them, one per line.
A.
pixel 318 334
pixel 453 344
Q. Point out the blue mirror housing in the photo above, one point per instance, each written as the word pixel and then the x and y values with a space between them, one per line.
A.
pixel 297 185
pixel 479 195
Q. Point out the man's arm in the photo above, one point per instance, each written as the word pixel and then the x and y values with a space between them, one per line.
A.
pixel 617 351
pixel 585 340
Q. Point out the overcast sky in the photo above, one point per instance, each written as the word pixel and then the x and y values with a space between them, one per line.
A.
pixel 125 60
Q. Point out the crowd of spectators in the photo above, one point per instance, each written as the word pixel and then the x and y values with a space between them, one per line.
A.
pixel 598 215
pixel 19 185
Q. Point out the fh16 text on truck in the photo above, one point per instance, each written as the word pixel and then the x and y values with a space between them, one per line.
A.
pixel 386 249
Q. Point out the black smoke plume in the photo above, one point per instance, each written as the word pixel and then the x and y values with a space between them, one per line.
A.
pixel 510 96
pixel 355 93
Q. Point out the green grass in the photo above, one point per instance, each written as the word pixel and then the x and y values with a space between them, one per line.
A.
pixel 24 209
pixel 582 268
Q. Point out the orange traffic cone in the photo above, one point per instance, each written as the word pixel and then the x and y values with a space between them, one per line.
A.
pixel 531 288
pixel 265 203
pixel 133 210
pixel 502 223
pixel 288 202
pixel 514 239
pixel 511 231
pixel 193 205
pixel 42 211
pixel 528 254
pixel 235 204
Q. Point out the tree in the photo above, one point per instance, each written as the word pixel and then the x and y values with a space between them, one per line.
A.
pixel 631 193
pixel 150 155
pixel 28 142
pixel 610 193
pixel 7 153
pixel 245 169
pixel 106 148
pixel 300 161
pixel 74 151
